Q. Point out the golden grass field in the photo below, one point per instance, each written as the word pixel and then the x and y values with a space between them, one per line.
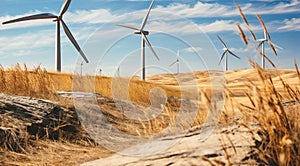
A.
pixel 257 95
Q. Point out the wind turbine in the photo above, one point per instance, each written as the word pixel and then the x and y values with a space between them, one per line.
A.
pixel 81 64
pixel 176 62
pixel 143 33
pixel 118 71
pixel 225 53
pixel 262 41
pixel 59 21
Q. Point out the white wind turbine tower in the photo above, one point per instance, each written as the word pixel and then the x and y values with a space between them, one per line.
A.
pixel 176 62
pixel 81 64
pixel 262 41
pixel 59 21
pixel 143 33
pixel 225 53
pixel 118 71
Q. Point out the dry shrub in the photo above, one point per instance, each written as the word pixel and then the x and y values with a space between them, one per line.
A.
pixel 35 83
pixel 10 140
pixel 278 140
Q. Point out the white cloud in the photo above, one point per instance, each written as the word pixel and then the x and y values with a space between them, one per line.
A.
pixel 38 39
pixel 202 10
pixel 217 26
pixel 280 8
pixel 20 53
pixel 193 49
pixel 239 50
pixel 198 10
pixel 184 27
pixel 291 25
pixel 91 16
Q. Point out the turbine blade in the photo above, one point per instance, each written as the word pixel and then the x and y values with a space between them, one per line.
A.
pixel 234 54
pixel 74 42
pixel 266 57
pixel 177 59
pixel 273 47
pixel 260 44
pixel 264 26
pixel 146 17
pixel 128 26
pixel 149 45
pixel 64 7
pixel 241 33
pixel 222 57
pixel 277 46
pixel 32 17
pixel 245 21
pixel 222 41
pixel 173 63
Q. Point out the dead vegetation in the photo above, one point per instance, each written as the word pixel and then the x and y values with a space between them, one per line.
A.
pixel 278 134
pixel 34 83
pixel 268 97
pixel 278 141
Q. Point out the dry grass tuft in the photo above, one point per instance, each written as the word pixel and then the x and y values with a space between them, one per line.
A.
pixel 35 83
pixel 278 141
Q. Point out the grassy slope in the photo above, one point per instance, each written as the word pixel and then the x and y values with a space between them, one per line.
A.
pixel 238 83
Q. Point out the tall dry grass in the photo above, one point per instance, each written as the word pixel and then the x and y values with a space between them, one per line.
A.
pixel 20 81
pixel 278 138
pixel 278 141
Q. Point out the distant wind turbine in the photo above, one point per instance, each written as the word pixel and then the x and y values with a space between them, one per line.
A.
pixel 225 53
pixel 176 62
pixel 143 33
pixel 59 20
pixel 262 41
pixel 81 64
pixel 118 71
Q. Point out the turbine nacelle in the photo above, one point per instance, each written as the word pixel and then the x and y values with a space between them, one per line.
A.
pixel 59 17
pixel 140 32
pixel 56 19
pixel 262 40
pixel 225 49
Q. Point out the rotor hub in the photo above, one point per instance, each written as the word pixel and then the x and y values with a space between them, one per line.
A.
pixel 56 19
pixel 140 32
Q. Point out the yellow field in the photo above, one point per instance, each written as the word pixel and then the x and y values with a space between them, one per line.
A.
pixel 257 95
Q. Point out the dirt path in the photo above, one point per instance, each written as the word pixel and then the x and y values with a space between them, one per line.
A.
pixel 230 144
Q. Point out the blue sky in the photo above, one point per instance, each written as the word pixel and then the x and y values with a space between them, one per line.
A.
pixel 189 26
